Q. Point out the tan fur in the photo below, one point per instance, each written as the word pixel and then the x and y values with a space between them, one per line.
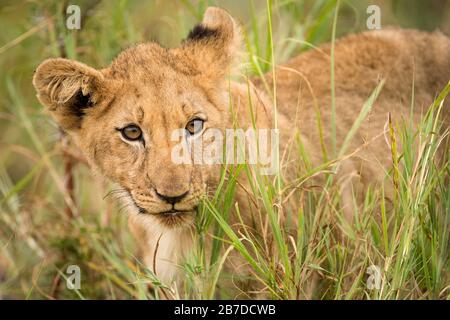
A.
pixel 161 89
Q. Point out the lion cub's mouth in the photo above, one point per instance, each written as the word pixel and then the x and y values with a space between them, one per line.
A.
pixel 173 213
pixel 169 213
pixel 170 218
pixel 176 218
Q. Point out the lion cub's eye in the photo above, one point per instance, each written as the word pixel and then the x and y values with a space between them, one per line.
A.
pixel 195 126
pixel 131 132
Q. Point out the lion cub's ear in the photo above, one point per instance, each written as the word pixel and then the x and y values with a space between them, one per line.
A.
pixel 214 43
pixel 67 88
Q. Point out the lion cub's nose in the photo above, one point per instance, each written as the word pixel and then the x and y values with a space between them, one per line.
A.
pixel 171 199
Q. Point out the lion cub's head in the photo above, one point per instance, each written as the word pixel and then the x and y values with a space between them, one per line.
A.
pixel 122 117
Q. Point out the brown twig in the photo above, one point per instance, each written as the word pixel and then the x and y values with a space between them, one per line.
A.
pixel 69 181
pixel 154 265
pixel 55 285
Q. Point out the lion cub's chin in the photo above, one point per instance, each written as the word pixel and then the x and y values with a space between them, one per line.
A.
pixel 171 219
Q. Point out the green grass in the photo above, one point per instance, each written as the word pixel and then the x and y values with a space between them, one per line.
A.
pixel 47 225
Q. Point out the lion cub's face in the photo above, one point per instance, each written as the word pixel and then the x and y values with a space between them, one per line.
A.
pixel 129 117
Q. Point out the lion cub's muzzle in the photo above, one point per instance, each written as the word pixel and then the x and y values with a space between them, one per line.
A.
pixel 171 199
pixel 165 204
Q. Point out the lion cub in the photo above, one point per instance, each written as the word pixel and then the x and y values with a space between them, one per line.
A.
pixel 123 117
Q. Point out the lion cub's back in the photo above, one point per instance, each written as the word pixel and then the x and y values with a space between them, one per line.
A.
pixel 398 56
pixel 361 60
